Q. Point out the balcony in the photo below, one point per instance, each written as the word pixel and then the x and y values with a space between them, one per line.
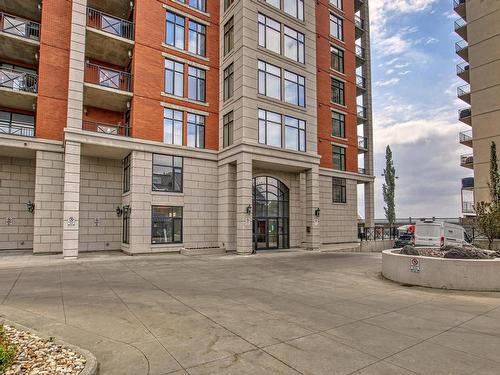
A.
pixel 362 144
pixel 463 71
pixel 467 161
pixel 358 4
pixel 19 39
pixel 360 56
pixel 109 38
pixel 17 124
pixel 468 183
pixel 360 26
pixel 107 88
pixel 360 85
pixel 362 114
pixel 465 138
pixel 468 208
pixel 463 93
pixel 460 8
pixel 462 49
pixel 18 89
pixel 461 28
pixel 465 115
pixel 362 170
pixel 112 129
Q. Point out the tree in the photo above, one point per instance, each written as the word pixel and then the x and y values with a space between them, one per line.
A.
pixel 389 188
pixel 487 219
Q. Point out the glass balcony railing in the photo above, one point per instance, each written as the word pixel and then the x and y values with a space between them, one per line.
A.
pixel 360 81
pixel 464 113
pixel 465 136
pixel 462 68
pixel 106 77
pixel 362 143
pixel 459 23
pixel 110 24
pixel 460 46
pixel 466 160
pixel 19 80
pixel 463 90
pixel 19 27
pixel 360 52
pixel 359 22
pixel 362 112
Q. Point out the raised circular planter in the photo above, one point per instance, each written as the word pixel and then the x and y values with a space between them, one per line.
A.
pixel 455 274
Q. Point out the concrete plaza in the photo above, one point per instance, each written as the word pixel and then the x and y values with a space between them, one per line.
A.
pixel 273 313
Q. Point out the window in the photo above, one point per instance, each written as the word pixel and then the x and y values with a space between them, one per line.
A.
pixel 269 80
pixel 294 45
pixel 195 130
pixel 166 225
pixel 229 36
pixel 336 27
pixel 338 93
pixel 175 30
pixel 269 34
pixel 174 78
pixel 167 173
pixel 197 4
pixel 294 89
pixel 196 38
pixel 196 84
pixel 269 128
pixel 295 8
pixel 295 134
pixel 227 137
pixel 228 82
pixel 126 224
pixel 339 190
pixel 126 174
pixel 274 3
pixel 336 3
pixel 228 3
pixel 338 125
pixel 339 158
pixel 337 59
pixel 172 126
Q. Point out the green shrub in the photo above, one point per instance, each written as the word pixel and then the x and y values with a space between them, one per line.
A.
pixel 7 351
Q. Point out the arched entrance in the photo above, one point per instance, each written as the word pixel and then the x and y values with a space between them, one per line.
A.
pixel 271 229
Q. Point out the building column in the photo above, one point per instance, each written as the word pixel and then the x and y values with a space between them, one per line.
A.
pixel 227 206
pixel 244 243
pixel 369 204
pixel 71 218
pixel 313 234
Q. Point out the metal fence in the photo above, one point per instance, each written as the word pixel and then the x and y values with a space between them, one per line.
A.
pixel 113 129
pixel 18 80
pixel 110 24
pixel 377 233
pixel 106 77
pixel 19 27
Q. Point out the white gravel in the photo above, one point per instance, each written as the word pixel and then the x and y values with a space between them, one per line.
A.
pixel 36 356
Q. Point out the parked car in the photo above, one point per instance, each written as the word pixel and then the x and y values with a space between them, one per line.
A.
pixel 437 233
pixel 403 240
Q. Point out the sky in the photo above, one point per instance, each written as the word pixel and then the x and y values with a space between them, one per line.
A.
pixel 415 105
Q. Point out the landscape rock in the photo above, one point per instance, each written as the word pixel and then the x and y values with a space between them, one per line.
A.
pixel 409 250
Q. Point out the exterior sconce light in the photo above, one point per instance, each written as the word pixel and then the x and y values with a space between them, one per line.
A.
pixel 127 210
pixel 128 105
pixel 119 211
pixel 30 206
pixel 317 212
pixel 131 5
pixel 249 209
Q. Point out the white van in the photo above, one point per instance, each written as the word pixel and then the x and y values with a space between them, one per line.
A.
pixel 438 233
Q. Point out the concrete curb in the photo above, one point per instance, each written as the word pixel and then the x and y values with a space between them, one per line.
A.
pixel 91 365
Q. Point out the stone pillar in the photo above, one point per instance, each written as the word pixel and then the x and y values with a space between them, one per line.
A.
pixel 48 215
pixel 227 206
pixel 369 204
pixel 71 217
pixel 313 234
pixel 244 243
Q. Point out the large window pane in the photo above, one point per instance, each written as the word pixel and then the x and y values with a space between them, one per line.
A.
pixel 166 224
pixel 167 173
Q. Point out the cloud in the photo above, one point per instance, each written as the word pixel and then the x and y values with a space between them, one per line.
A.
pixel 389 82
pixel 431 40
pixel 404 73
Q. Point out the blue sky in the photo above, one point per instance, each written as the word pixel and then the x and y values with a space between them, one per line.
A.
pixel 415 105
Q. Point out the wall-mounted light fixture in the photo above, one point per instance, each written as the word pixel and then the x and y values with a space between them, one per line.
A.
pixel 119 211
pixel 127 210
pixel 317 212
pixel 128 105
pixel 30 206
pixel 249 209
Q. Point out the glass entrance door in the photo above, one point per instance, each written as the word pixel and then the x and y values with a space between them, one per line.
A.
pixel 270 214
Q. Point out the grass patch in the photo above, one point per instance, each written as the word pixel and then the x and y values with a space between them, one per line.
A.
pixel 7 351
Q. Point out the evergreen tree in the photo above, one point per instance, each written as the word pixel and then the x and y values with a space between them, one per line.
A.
pixel 494 183
pixel 389 188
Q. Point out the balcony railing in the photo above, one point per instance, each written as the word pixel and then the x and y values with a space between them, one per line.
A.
pixel 462 68
pixel 464 113
pixel 363 143
pixel 362 170
pixel 110 24
pixel 362 112
pixel 360 52
pixel 465 136
pixel 106 77
pixel 468 207
pixel 19 27
pixel 467 183
pixel 113 129
pixel 459 23
pixel 18 80
pixel 466 160
pixel 360 81
pixel 457 3
pixel 461 45
pixel 359 22
pixel 463 90
pixel 25 130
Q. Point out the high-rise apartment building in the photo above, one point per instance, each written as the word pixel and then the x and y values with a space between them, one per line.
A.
pixel 479 28
pixel 183 125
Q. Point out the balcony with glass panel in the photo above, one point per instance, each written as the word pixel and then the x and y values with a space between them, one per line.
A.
pixel 465 115
pixel 463 71
pixel 109 38
pixel 462 49
pixel 359 24
pixel 360 56
pixel 461 28
pixel 107 88
pixel 19 39
pixel 467 161
pixel 362 144
pixel 362 114
pixel 460 8
pixel 465 138
pixel 463 93
pixel 18 87
pixel 360 85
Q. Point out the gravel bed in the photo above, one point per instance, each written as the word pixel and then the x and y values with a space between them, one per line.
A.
pixel 37 356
